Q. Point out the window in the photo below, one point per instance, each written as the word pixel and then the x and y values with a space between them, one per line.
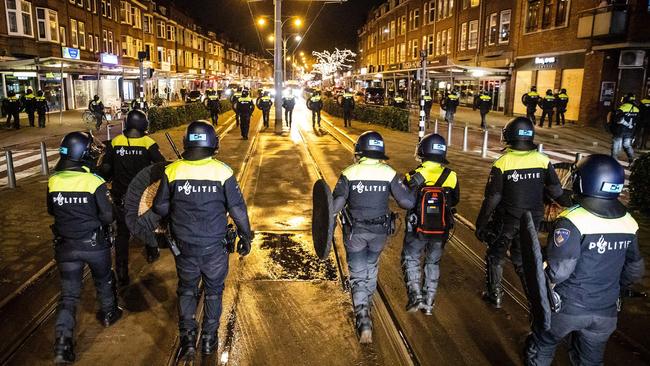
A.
pixel 532 16
pixel 562 12
pixel 80 3
pixel 463 37
pixel 491 29
pixel 97 44
pixel 384 33
pixel 443 37
pixel 160 29
pixel 449 39
pixel 441 7
pixel 47 25
pixel 414 19
pixel 451 8
pixel 504 26
pixel 137 18
pixel 402 52
pixel 171 33
pixel 107 10
pixel 392 30
pixel 430 11
pixel 465 4
pixel 472 42
pixel 110 42
pixel 89 6
pixel 391 55
pixel 148 48
pixel 161 54
pixel 62 36
pixel 125 12
pixel 91 46
pixel 415 51
pixel 82 35
pixel 546 13
pixel 147 25
pixel 382 57
pixel 73 33
pixel 430 41
pixel 19 18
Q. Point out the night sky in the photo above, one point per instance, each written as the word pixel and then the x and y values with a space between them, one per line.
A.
pixel 335 26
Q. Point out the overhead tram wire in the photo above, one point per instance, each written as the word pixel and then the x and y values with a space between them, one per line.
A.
pixel 259 36
pixel 310 25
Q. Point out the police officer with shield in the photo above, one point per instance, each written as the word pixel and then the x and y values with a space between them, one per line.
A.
pixel 361 195
pixel 195 195
pixel 422 239
pixel 518 182
pixel 592 253
pixel 125 156
pixel 81 206
pixel 245 108
pixel 264 103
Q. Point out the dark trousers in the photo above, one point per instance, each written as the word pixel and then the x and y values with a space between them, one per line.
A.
pixel 288 116
pixel 414 249
pixel 530 114
pixel 245 125
pixel 483 119
pixel 546 113
pixel 41 119
pixel 265 117
pixel 30 118
pixel 315 117
pixel 588 338
pixel 212 269
pixel 237 119
pixel 559 117
pixel 363 251
pixel 214 116
pixel 16 120
pixel 98 119
pixel 347 117
pixel 122 238
pixel 71 264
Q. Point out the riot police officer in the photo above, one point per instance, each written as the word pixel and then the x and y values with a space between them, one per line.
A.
pixel 245 108
pixel 12 107
pixel 28 105
pixel 547 103
pixel 428 103
pixel 40 104
pixel 214 106
pixel 431 151
pixel 139 104
pixel 484 104
pixel 81 206
pixel 592 253
pixel 264 103
pixel 347 102
pixel 125 156
pixel 450 104
pixel 530 100
pixel 362 193
pixel 288 103
pixel 315 104
pixel 398 101
pixel 97 108
pixel 517 183
pixel 643 127
pixel 206 188
pixel 233 102
pixel 562 100
pixel 623 125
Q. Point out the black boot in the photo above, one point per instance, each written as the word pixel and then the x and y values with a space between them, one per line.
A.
pixel 364 325
pixel 494 293
pixel 188 346
pixel 415 301
pixel 428 302
pixel 108 318
pixel 209 343
pixel 123 274
pixel 153 254
pixel 63 350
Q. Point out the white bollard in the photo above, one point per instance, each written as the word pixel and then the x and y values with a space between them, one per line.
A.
pixel 449 127
pixel 465 138
pixel 484 149
pixel 435 127
pixel 45 169
pixel 108 132
pixel 540 148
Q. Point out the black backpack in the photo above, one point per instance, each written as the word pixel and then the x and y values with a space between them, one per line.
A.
pixel 433 213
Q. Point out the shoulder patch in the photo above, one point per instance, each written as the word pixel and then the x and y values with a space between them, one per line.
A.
pixel 560 236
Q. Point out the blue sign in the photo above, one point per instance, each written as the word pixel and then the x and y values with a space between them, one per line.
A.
pixel 198 137
pixel 108 58
pixel 71 53
pixel 528 133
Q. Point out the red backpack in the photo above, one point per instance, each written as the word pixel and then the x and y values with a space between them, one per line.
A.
pixel 434 216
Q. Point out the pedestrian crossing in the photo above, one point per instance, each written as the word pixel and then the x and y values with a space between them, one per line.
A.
pixel 26 163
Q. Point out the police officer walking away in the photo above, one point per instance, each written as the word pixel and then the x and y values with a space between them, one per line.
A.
pixel 315 104
pixel 362 193
pixel 214 106
pixel 398 102
pixel 233 102
pixel 245 108
pixel 484 104
pixel 347 102
pixel 288 103
pixel 125 156
pixel 518 182
pixel 195 194
pixel 562 100
pixel 623 125
pixel 28 104
pixel 427 232
pixel 643 126
pixel 97 108
pixel 450 103
pixel 428 103
pixel 530 100
pixel 40 104
pixel 264 103
pixel 592 253
pixel 547 103
pixel 12 107
pixel 81 206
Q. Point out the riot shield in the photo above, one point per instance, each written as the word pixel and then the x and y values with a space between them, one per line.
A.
pixel 140 219
pixel 322 222
pixel 537 286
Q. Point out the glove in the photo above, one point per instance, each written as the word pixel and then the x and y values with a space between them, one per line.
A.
pixel 481 233
pixel 244 245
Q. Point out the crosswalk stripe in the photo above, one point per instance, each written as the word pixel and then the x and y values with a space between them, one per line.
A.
pixel 23 158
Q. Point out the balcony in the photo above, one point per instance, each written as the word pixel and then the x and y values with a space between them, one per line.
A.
pixel 603 22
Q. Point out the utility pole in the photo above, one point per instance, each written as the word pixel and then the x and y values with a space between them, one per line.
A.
pixel 423 88
pixel 142 55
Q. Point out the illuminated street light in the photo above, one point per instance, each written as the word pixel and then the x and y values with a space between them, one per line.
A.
pixel 271 38
pixel 298 38
pixel 302 53
pixel 297 22
pixel 261 22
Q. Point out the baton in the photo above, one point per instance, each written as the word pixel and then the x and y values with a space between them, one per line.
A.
pixel 171 142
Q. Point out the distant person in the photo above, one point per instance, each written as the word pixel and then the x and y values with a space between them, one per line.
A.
pixel 450 104
pixel 214 106
pixel 562 101
pixel 484 104
pixel 245 108
pixel 398 102
pixel 233 102
pixel 428 103
pixel 288 103
pixel 12 107
pixel 623 125
pixel 347 103
pixel 27 102
pixel 530 100
pixel 547 103
pixel 41 108
pixel 315 104
pixel 264 103
pixel 96 107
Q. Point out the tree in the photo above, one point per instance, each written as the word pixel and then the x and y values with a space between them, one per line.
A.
pixel 331 62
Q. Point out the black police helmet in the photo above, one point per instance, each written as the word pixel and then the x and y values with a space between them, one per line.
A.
pixel 75 146
pixel 244 93
pixel 29 91
pixel 533 88
pixel 370 144
pixel 562 90
pixel 136 120
pixel 96 97
pixel 599 176
pixel 549 92
pixel 519 134
pixel 39 93
pixel 432 147
pixel 200 140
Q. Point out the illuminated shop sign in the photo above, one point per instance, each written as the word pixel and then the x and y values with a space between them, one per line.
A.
pixel 108 58
pixel 71 53
pixel 544 61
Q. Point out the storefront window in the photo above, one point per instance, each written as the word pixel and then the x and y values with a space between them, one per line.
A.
pixel 52 90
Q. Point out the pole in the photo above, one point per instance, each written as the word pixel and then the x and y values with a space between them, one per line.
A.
pixel 45 169
pixel 11 175
pixel 448 134
pixel 540 148
pixel 141 84
pixel 578 158
pixel 465 138
pixel 277 66
pixel 423 60
pixel 108 131
pixel 435 127
pixel 484 149
pixel 62 97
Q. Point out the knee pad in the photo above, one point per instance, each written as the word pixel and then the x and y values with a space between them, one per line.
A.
pixel 187 292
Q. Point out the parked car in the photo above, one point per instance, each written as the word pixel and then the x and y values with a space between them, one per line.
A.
pixel 374 96
pixel 194 96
